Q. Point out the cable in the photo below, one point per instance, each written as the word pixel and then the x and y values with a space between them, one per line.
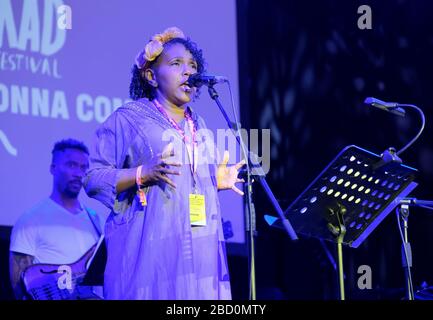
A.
pixel 251 226
pixel 237 125
pixel 420 131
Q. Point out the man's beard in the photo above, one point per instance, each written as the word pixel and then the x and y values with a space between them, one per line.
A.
pixel 72 193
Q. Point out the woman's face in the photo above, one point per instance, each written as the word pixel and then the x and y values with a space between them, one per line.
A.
pixel 171 72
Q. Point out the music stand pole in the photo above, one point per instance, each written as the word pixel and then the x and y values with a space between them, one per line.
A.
pixel 340 262
pixel 338 229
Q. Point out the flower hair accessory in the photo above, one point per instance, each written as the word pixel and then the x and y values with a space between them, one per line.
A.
pixel 155 46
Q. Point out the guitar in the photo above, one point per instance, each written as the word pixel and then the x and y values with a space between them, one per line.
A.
pixel 58 282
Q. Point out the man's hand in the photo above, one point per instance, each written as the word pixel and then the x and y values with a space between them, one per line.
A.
pixel 18 262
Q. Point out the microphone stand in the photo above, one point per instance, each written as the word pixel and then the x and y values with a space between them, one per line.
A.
pixel 250 209
pixel 403 215
pixel 391 157
pixel 406 250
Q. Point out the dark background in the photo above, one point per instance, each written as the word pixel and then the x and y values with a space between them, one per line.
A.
pixel 305 68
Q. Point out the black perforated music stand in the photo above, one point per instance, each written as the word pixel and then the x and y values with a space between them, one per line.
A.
pixel 349 199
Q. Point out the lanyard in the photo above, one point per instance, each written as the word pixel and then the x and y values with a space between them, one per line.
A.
pixel 191 146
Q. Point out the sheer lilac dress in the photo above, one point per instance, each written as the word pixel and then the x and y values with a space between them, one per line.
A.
pixel 153 251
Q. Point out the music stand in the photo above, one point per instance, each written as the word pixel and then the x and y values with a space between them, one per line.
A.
pixel 349 199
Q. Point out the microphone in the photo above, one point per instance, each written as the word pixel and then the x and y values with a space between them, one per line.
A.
pixel 199 79
pixel 416 202
pixel 393 107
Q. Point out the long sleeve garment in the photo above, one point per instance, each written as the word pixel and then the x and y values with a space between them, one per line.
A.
pixel 153 251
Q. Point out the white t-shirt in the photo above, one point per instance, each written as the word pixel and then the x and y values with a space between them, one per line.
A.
pixel 52 234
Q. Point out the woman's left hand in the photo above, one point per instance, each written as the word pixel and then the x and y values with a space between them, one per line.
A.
pixel 228 176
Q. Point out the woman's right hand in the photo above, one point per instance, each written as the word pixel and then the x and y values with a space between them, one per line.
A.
pixel 157 169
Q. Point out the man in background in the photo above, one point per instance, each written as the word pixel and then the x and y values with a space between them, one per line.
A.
pixel 59 230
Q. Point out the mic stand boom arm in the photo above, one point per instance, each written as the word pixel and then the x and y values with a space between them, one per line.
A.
pixel 261 177
pixel 250 215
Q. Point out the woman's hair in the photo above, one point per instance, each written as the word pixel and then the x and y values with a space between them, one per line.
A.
pixel 140 88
